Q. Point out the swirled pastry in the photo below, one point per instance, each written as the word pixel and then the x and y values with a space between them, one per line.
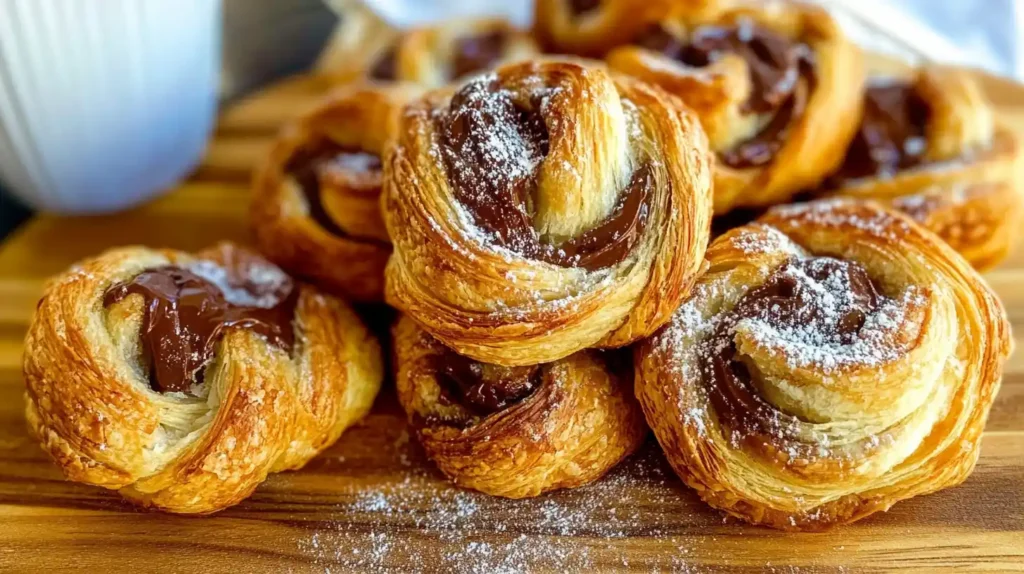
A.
pixel 776 85
pixel 544 209
pixel 316 198
pixel 361 47
pixel 517 431
pixel 930 147
pixel 434 56
pixel 835 359
pixel 593 27
pixel 182 380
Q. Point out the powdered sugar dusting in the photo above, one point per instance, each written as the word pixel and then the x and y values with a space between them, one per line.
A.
pixel 267 279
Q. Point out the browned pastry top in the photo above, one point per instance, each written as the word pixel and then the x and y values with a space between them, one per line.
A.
pixel 326 161
pixel 776 66
pixel 482 388
pixel 891 136
pixel 484 133
pixel 186 310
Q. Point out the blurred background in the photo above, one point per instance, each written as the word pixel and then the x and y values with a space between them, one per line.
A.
pixel 252 42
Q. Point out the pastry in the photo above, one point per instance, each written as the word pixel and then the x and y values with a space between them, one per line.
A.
pixel 929 146
pixel 835 359
pixel 433 56
pixel 776 85
pixel 316 198
pixel 360 48
pixel 591 28
pixel 543 209
pixel 182 380
pixel 517 431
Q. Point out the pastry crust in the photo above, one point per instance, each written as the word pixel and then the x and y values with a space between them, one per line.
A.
pixel 359 47
pixel 624 140
pixel 833 425
pixel 90 404
pixel 429 55
pixel 573 428
pixel 595 31
pixel 968 188
pixel 811 141
pixel 348 261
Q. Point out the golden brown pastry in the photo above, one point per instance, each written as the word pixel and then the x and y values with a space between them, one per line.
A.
pixel 360 48
pixel 316 198
pixel 434 56
pixel 929 146
pixel 181 380
pixel 776 85
pixel 593 27
pixel 835 359
pixel 517 431
pixel 543 209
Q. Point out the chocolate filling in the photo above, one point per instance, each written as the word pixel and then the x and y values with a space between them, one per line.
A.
pixel 384 67
pixel 489 143
pixel 786 303
pixel 781 73
pixel 891 136
pixel 185 314
pixel 475 53
pixel 325 160
pixel 481 388
pixel 581 7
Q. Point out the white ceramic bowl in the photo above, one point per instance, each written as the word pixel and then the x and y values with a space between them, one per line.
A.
pixel 104 104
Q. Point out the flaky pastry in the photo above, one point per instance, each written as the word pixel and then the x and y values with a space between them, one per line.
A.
pixel 316 198
pixel 543 209
pixel 517 431
pixel 433 56
pixel 776 85
pixel 591 28
pixel 182 380
pixel 929 146
pixel 835 359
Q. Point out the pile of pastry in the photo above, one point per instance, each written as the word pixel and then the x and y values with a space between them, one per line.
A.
pixel 538 206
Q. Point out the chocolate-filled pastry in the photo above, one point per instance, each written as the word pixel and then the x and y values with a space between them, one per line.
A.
pixel 361 48
pixel 434 56
pixel 543 209
pixel 182 380
pixel 591 28
pixel 517 431
pixel 316 198
pixel 776 85
pixel 928 145
pixel 835 359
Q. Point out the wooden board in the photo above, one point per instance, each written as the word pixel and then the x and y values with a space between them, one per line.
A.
pixel 372 502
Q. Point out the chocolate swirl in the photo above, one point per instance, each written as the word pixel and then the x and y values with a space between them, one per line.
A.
pixel 817 309
pixel 493 147
pixel 386 66
pixel 582 7
pixel 325 162
pixel 891 136
pixel 475 53
pixel 484 389
pixel 781 72
pixel 187 310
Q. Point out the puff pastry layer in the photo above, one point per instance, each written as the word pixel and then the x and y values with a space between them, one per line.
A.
pixel 517 431
pixel 835 359
pixel 771 82
pixel 252 406
pixel 434 56
pixel 929 146
pixel 544 209
pixel 316 198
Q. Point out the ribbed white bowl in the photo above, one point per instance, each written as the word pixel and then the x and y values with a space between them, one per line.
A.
pixel 106 103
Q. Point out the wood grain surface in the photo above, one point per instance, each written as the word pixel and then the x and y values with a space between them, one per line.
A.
pixel 372 502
